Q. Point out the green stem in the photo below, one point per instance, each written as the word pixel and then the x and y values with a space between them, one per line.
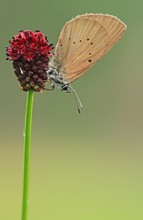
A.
pixel 27 143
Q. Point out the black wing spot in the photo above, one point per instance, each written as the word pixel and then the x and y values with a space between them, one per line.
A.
pixel 89 61
pixel 91 43
pixel 61 45
pixel 80 41
pixel 88 39
pixel 74 42
pixel 90 53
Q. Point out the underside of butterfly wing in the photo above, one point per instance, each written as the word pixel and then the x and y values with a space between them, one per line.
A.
pixel 113 25
pixel 83 41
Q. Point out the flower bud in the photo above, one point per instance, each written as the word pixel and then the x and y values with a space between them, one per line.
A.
pixel 30 51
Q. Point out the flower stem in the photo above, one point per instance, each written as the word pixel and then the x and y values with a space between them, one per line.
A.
pixel 27 143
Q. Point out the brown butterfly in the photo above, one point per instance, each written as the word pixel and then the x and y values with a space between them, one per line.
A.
pixel 82 42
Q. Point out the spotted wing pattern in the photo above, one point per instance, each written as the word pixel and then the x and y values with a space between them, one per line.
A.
pixel 83 41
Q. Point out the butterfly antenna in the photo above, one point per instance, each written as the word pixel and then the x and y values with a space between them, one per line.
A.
pixel 77 99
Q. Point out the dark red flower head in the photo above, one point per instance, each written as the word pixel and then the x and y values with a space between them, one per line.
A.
pixel 30 52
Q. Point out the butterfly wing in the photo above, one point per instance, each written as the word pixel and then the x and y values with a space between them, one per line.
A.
pixel 113 25
pixel 82 42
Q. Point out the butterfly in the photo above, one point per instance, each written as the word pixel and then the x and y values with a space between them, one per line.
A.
pixel 82 42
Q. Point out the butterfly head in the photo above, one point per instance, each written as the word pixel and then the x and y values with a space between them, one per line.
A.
pixel 57 80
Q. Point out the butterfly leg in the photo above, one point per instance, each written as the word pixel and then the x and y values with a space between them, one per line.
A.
pixel 50 89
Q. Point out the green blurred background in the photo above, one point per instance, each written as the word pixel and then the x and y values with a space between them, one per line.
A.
pixel 83 167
